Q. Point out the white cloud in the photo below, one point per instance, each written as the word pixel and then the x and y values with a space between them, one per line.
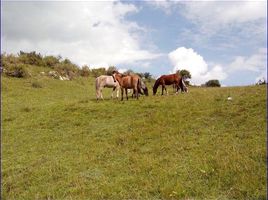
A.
pixel 93 33
pixel 255 63
pixel 183 58
pixel 225 12
pixel 226 22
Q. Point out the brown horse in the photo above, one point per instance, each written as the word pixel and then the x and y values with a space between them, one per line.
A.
pixel 172 79
pixel 128 82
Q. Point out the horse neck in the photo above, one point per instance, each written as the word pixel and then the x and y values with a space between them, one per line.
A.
pixel 119 79
pixel 156 85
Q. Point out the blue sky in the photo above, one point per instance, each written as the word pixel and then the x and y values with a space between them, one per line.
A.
pixel 222 40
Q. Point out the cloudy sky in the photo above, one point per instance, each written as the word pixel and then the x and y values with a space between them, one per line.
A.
pixel 224 40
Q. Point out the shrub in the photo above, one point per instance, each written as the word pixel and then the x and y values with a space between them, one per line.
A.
pixel 31 58
pixel 110 70
pixel 18 71
pixel 36 84
pixel 213 83
pixel 85 71
pixel 50 61
pixel 66 68
pixel 97 72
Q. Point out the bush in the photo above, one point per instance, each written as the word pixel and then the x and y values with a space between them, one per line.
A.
pixel 50 61
pixel 110 70
pixel 85 71
pixel 97 72
pixel 36 84
pixel 31 58
pixel 18 71
pixel 213 83
pixel 66 68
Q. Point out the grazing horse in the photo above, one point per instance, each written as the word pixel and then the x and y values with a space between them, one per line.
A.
pixel 128 82
pixel 184 89
pixel 109 82
pixel 172 79
pixel 143 87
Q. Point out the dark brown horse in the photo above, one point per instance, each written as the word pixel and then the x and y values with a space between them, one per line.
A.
pixel 172 79
pixel 128 82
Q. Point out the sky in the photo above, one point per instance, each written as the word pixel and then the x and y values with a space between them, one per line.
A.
pixel 224 40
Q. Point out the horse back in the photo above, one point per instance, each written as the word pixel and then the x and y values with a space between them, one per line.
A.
pixel 130 81
pixel 170 79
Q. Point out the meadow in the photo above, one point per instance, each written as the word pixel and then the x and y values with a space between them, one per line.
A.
pixel 58 142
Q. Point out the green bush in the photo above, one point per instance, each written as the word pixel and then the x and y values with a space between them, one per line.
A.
pixel 85 71
pixel 67 68
pixel 36 84
pixel 213 83
pixel 18 71
pixel 110 70
pixel 50 61
pixel 31 58
pixel 98 72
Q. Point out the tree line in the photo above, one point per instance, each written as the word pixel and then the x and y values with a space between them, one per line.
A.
pixel 17 66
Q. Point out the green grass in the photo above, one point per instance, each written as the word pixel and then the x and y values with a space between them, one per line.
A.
pixel 59 143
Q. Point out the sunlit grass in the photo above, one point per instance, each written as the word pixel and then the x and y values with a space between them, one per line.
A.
pixel 58 142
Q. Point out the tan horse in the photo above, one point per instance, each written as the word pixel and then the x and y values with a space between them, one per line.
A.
pixel 128 82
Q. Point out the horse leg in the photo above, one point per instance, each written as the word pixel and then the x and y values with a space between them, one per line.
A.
pixel 166 90
pixel 117 92
pixel 97 94
pixel 126 93
pixel 122 93
pixel 163 89
pixel 101 94
pixel 112 95
pixel 177 89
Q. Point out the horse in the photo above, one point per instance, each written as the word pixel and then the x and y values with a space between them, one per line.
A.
pixel 144 90
pixel 128 82
pixel 184 89
pixel 106 81
pixel 170 79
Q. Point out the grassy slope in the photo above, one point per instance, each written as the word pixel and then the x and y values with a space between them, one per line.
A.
pixel 58 142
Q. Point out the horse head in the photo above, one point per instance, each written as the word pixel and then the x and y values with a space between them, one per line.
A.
pixel 145 90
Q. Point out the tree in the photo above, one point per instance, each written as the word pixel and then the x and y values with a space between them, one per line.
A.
pixel 147 75
pixel 185 74
pixel 213 83
pixel 128 72
pixel 98 71
pixel 85 71
pixel 110 70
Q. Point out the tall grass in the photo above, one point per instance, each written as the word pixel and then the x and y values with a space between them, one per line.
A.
pixel 58 142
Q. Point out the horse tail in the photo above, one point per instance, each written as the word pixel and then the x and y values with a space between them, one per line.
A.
pixel 156 84
pixel 182 85
pixel 139 85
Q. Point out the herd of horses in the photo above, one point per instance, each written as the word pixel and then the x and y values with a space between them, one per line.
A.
pixel 124 82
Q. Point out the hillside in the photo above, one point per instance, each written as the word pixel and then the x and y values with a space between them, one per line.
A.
pixel 59 143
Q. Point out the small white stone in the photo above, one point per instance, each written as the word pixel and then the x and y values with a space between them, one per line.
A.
pixel 229 98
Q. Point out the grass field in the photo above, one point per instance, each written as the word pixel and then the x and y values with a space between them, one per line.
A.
pixel 59 143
